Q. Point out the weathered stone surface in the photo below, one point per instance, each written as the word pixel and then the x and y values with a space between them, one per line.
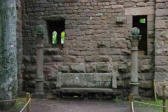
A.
pixel 90 59
pixel 146 84
pixel 30 76
pixel 146 92
pixel 162 68
pixel 57 58
pixel 145 68
pixel 123 68
pixel 77 68
pixel 162 12
pixel 118 42
pixel 90 68
pixel 109 51
pixel 141 4
pixel 30 69
pixel 164 34
pixel 47 59
pixel 85 80
pixel 161 60
pixel 51 77
pixel 161 76
pixel 146 76
pixel 102 59
pixel 94 41
pixel 159 86
pixel 139 11
pixel 52 51
pixel 64 69
pixel 161 24
pixel 102 67
pixel 103 44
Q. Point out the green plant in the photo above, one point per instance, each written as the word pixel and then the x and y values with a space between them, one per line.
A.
pixel 158 102
pixel 117 100
pixel 19 104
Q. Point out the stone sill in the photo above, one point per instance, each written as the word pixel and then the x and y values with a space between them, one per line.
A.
pixel 145 56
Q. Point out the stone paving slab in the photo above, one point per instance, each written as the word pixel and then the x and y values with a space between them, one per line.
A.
pixel 82 106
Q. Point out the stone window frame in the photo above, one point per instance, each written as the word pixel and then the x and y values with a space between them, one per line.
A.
pixel 50 18
pixel 149 12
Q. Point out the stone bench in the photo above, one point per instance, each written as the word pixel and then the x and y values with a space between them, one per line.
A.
pixel 86 83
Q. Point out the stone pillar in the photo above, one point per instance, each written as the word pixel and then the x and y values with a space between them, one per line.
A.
pixel 39 88
pixel 8 60
pixel 134 61
pixel 134 67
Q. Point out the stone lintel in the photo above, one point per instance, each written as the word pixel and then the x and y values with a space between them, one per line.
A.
pixel 139 11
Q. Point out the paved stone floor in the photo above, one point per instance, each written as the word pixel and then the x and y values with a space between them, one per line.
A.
pixel 82 106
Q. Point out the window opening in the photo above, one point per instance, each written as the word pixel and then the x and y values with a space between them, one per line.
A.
pixel 56 31
pixel 54 37
pixel 141 23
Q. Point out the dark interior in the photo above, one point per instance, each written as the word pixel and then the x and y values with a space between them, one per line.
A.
pixel 143 31
pixel 58 26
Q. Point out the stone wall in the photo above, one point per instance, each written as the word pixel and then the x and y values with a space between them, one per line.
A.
pixel 19 42
pixel 161 34
pixel 161 47
pixel 95 41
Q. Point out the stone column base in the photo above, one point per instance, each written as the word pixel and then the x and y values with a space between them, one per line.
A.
pixel 134 89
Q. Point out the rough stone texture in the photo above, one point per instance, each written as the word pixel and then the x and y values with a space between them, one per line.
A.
pixel 161 46
pixel 84 106
pixel 95 42
pixel 19 43
pixel 77 68
pixel 85 80
pixel 8 59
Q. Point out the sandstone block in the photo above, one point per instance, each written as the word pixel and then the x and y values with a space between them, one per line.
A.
pixel 145 68
pixel 90 59
pixel 146 84
pixel 139 11
pixel 90 68
pixel 57 58
pixel 164 34
pixel 102 59
pixel 51 77
pixel 161 12
pixel 162 68
pixel 64 69
pixel 102 67
pixel 146 76
pixel 161 24
pixel 78 68
pixel 161 60
pixel 161 76
pixel 52 51
pixel 123 68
